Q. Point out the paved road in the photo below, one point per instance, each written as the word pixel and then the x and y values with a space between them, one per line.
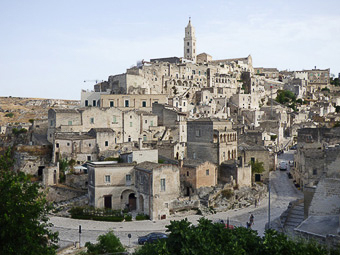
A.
pixel 282 192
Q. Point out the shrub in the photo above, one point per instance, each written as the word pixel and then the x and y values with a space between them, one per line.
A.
pixel 31 121
pixel 9 115
pixel 16 131
pixel 107 244
pixel 128 217
pixel 142 216
pixel 227 193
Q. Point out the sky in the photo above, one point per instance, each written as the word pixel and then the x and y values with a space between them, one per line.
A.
pixel 48 48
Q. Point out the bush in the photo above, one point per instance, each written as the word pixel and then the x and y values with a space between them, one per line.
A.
pixel 90 213
pixel 107 244
pixel 128 217
pixel 9 115
pixel 16 131
pixel 227 193
pixel 142 216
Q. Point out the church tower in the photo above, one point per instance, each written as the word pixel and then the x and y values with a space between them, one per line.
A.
pixel 190 43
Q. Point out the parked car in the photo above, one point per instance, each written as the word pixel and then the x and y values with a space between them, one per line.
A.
pixel 152 237
pixel 283 166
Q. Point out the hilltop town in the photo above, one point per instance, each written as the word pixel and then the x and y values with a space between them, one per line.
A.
pixel 191 135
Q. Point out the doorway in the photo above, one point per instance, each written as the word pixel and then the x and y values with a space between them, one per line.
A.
pixel 108 202
pixel 132 202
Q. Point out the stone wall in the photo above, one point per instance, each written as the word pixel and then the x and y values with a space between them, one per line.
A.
pixel 326 200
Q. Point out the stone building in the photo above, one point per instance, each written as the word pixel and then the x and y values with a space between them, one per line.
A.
pixel 195 174
pixel 157 186
pixel 235 172
pixel 111 185
pixel 211 140
pixel 253 153
pixel 269 73
pixel 126 102
pixel 81 147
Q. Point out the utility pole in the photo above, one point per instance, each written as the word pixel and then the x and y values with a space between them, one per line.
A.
pixel 269 201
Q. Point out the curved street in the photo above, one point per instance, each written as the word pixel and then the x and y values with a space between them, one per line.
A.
pixel 282 192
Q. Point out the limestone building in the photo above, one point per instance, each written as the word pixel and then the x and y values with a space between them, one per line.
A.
pixel 211 140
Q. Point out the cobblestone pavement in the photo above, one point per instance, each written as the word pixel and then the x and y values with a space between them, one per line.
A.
pixel 282 192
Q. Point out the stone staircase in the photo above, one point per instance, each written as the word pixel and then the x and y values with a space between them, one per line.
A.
pixel 292 217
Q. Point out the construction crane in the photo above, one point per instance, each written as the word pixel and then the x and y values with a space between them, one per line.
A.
pixel 96 81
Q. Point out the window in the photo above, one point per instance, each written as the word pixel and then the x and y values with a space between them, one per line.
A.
pixel 144 104
pixel 86 103
pixel 128 178
pixel 114 119
pixel 198 132
pixel 144 138
pixel 57 145
pixel 68 144
pixel 130 124
pixel 88 158
pixel 129 139
pixel 187 173
pixel 146 121
pixel 51 123
pixel 94 102
pixel 126 103
pixel 151 123
pixel 187 50
pixel 162 184
pixel 89 145
pixel 107 179
pixel 194 155
pixel 92 120
pixel 315 171
pixel 106 143
pixel 188 43
pixel 70 122
pixel 207 172
pixel 252 160
pixel 111 103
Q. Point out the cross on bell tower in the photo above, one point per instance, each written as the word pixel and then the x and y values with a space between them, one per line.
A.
pixel 190 42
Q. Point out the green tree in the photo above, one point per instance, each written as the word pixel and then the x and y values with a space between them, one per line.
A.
pixel 107 243
pixel 257 167
pixel 23 214
pixel 210 238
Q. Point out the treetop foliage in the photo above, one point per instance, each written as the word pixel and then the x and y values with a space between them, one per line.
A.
pixel 214 238
pixel 23 213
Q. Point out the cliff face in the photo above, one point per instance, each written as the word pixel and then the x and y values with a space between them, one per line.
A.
pixel 14 110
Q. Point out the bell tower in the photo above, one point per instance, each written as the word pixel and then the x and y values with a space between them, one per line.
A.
pixel 190 43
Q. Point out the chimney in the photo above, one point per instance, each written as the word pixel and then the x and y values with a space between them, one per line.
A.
pixel 140 142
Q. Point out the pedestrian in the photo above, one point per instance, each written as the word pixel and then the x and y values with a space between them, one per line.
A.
pixel 248 224
pixel 251 219
pixel 255 202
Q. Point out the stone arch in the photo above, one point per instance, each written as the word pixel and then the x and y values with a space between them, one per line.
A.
pixel 128 199
pixel 220 138
pixel 228 155
pixel 225 137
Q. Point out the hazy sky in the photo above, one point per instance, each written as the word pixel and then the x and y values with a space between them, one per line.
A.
pixel 48 48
